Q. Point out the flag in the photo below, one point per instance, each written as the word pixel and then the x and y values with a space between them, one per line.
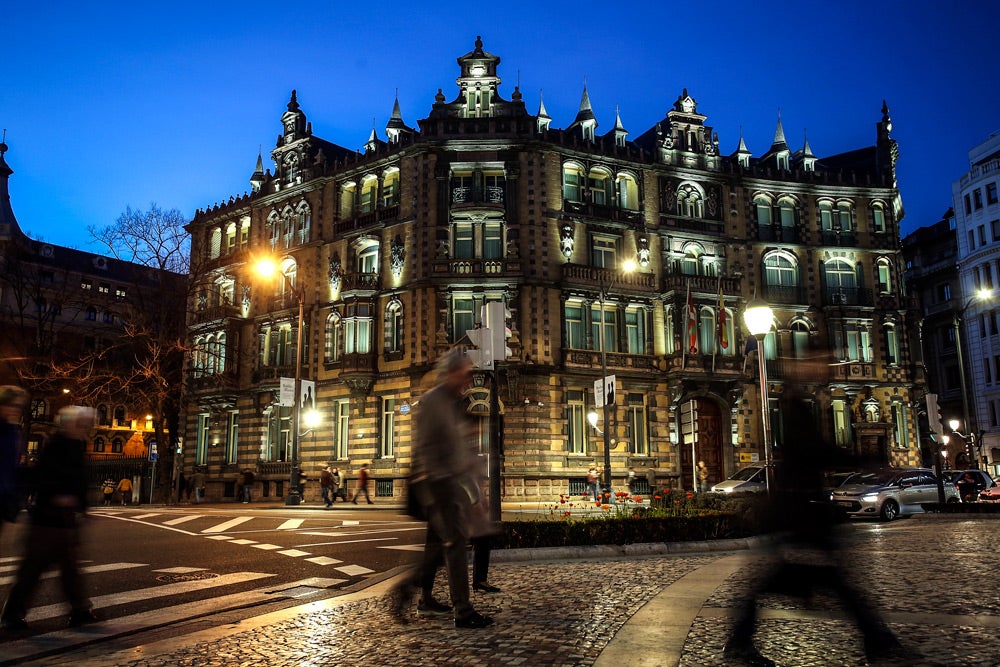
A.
pixel 751 346
pixel 723 332
pixel 692 324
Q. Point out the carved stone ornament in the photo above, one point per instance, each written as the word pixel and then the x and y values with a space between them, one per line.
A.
pixel 336 272
pixel 566 241
pixel 397 255
pixel 642 250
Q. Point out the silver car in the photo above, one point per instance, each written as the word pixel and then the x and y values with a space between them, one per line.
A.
pixel 748 480
pixel 888 494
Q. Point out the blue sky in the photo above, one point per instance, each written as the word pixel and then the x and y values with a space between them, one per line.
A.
pixel 110 104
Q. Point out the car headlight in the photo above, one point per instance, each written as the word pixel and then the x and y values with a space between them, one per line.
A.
pixel 870 497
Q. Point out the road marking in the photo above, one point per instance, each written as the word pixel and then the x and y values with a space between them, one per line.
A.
pixel 146 516
pixel 291 524
pixel 226 525
pixel 182 519
pixel 267 547
pixel 323 544
pixel 83 570
pixel 181 570
pixel 218 537
pixel 294 553
pixel 243 542
pixel 140 594
pixel 405 547
pixel 324 560
pixel 353 570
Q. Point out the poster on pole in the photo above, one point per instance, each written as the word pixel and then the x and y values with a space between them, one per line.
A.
pixel 599 393
pixel 307 395
pixel 609 389
pixel 286 392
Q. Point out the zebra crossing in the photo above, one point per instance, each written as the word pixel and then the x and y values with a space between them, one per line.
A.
pixel 106 605
pixel 238 531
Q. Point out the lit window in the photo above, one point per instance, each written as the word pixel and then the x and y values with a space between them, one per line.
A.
pixel 576 423
pixel 638 425
pixel 572 182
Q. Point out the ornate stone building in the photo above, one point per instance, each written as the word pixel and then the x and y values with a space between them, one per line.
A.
pixel 394 250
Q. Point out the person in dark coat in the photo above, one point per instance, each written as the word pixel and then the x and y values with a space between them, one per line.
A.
pixel 53 537
pixel 13 401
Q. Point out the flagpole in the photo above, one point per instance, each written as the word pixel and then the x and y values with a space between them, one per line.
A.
pixel 687 316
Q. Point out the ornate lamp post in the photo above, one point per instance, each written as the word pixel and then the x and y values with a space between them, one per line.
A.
pixel 758 318
pixel 959 316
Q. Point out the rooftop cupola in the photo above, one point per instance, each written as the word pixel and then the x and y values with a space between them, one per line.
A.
pixel 294 122
pixel 742 153
pixel 779 152
pixel 619 130
pixel 805 157
pixel 585 121
pixel 478 81
pixel 257 179
pixel 543 119
pixel 396 129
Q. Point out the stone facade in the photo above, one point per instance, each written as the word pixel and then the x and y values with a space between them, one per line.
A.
pixel 395 250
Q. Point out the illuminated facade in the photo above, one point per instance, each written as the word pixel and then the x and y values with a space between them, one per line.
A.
pixel 396 248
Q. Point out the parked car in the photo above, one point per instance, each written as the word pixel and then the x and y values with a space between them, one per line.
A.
pixel 980 480
pixel 891 493
pixel 747 480
pixel 990 495
pixel 834 480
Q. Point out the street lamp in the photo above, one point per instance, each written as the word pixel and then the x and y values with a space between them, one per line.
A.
pixel 959 315
pixel 758 318
pixel 970 440
pixel 266 268
pixel 628 267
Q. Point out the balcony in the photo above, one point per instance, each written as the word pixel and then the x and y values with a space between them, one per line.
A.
pixel 847 296
pixel 778 234
pixel 476 267
pixel 785 295
pixel 615 360
pixel 492 195
pixel 594 276
pixel 697 225
pixel 680 282
pixel 839 239
pixel 359 362
pixel 603 212
pixel 852 370
pixel 366 219
pixel 216 313
pixel 357 281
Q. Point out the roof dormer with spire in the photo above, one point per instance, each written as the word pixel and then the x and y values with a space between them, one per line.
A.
pixel 742 154
pixel 683 138
pixel 543 119
pixel 805 158
pixel 779 154
pixel 257 179
pixel 618 131
pixel 585 122
pixel 396 130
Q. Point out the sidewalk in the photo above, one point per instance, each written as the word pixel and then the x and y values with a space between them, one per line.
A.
pixel 637 611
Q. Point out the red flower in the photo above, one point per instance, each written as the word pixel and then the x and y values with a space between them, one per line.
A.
pixel 658 497
pixel 690 495
pixel 637 499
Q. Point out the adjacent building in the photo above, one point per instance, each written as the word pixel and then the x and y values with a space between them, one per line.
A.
pixel 387 256
pixel 977 225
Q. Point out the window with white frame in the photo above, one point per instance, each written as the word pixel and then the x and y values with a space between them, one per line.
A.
pixel 787 212
pixel 899 426
pixel 484 240
pixel 800 339
pixel 690 262
pixel 358 328
pixel 878 219
pixel 690 201
pixel 845 216
pixel 575 339
pixel 278 444
pixel 780 270
pixel 341 434
pixel 348 195
pixel 669 329
pixel 706 330
pixel 884 271
pixel 839 274
pixel 394 326
pixel 604 251
pixel 576 423
pixel 852 341
pixel 628 192
pixel 390 187
pixel 278 345
pixel 891 345
pixel 333 346
pixel 201 444
pixel 368 259
pixel 369 191
pixel 841 423
pixel 232 436
pixel 763 204
pixel 604 319
pixel 303 223
pixel 462 315
pixel 638 425
pixel 387 428
pixel 599 187
pixel 635 330
pixel 572 182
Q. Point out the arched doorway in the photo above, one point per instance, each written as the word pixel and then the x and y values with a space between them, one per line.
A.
pixel 708 447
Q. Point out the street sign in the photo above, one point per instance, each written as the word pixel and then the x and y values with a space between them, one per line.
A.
pixel 689 422
pixel 153 454
pixel 598 393
pixel 286 392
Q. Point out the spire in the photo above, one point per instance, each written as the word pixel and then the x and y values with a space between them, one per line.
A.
pixel 619 130
pixel 257 179
pixel 779 152
pixel 742 153
pixel 779 137
pixel 585 119
pixel 805 156
pixel 395 127
pixel 372 142
pixel 543 118
pixel 294 121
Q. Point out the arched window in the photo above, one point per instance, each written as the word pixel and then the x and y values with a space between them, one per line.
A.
pixel 98 444
pixel 800 339
pixel 230 238
pixel 219 365
pixel 839 274
pixel 369 192
pixel 669 329
pixel 291 167
pixel 274 227
pixel 348 193
pixel 878 218
pixel 117 445
pixel 891 344
pixel 690 201
pixel 883 270
pixel 691 261
pixel 763 205
pixel 706 331
pixel 845 216
pixel 390 187
pixel 826 215
pixel 119 415
pixel 333 345
pixel 572 182
pixel 287 227
pixel 394 326
pixel 780 271
pixel 303 222
pixel 787 212
pixel 215 243
pixel 599 186
pixel 102 415
pixel 628 192
pixel 368 258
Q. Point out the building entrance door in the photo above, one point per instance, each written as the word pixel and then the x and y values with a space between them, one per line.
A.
pixel 708 447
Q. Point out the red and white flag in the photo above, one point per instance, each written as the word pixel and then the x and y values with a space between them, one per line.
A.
pixel 721 319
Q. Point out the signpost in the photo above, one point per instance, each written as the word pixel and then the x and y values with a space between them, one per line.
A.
pixel 689 433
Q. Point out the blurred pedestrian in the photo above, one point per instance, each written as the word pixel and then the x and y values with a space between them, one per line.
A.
pixel 125 489
pixel 183 487
pixel 247 477
pixel 362 487
pixel 650 480
pixel 592 484
pixel 53 535
pixel 13 401
pixel 445 489
pixel 631 480
pixel 807 554
pixel 326 485
pixel 702 477
pixel 108 491
pixel 338 488
pixel 198 486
